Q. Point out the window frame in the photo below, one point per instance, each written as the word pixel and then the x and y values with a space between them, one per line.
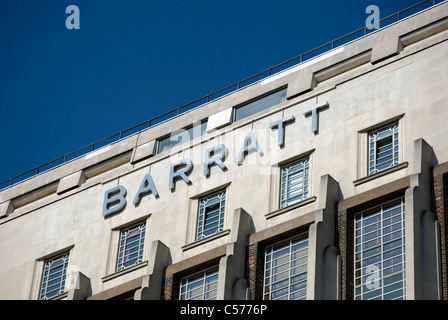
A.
pixel 62 288
pixel 189 129
pixel 120 266
pixel 299 240
pixel 373 150
pixel 305 193
pixel 253 101
pixel 211 273
pixel 374 275
pixel 203 204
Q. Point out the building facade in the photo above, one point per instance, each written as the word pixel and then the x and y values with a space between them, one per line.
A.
pixel 328 180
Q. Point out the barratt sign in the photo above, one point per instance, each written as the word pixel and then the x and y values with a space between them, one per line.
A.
pixel 115 198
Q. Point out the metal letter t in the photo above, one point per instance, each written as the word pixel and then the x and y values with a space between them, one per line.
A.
pixel 314 118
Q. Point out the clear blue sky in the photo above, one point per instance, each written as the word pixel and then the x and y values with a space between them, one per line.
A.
pixel 62 89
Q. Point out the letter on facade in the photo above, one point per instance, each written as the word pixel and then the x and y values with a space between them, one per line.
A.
pixel 250 144
pixel 281 132
pixel 147 186
pixel 214 155
pixel 114 200
pixel 314 115
pixel 181 173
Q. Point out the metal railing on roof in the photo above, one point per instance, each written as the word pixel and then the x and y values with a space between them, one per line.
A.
pixel 214 95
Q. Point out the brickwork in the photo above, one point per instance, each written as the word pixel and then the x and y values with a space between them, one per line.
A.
pixel 171 288
pixel 254 270
pixel 440 208
pixel 344 228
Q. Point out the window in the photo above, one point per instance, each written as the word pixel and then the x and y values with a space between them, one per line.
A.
pixel 181 137
pixel 383 148
pixel 260 104
pixel 286 269
pixel 131 246
pixel 211 214
pixel 294 182
pixel 55 274
pixel 200 286
pixel 379 252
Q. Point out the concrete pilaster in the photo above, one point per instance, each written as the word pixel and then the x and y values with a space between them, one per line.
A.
pixel 231 282
pixel 422 234
pixel 79 287
pixel 152 281
pixel 323 256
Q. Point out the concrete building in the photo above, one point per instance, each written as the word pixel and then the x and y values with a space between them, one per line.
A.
pixel 327 180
